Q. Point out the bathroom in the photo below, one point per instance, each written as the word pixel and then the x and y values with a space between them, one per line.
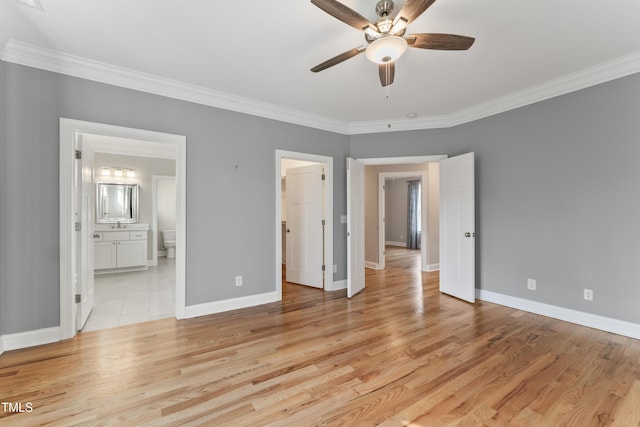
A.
pixel 134 278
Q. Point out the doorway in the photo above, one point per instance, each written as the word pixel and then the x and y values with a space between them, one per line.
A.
pixel 356 223
pixel 295 158
pixel 70 132
pixel 303 222
pixel 377 171
pixel 144 289
pixel 456 228
pixel 392 231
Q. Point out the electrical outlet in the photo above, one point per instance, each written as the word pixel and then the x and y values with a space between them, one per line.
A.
pixel 531 284
pixel 588 294
pixel 238 280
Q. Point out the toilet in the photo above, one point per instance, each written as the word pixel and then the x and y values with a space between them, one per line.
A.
pixel 169 242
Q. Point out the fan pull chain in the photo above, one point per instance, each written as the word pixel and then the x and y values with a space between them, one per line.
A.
pixel 387 98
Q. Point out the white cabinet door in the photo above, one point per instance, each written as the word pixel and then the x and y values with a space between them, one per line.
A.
pixel 132 253
pixel 104 255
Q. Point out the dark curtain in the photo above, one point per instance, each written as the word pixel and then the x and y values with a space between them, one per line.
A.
pixel 413 215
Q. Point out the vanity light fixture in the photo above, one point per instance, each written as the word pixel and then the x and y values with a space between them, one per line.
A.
pixel 118 171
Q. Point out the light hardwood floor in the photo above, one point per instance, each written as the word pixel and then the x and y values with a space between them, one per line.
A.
pixel 400 353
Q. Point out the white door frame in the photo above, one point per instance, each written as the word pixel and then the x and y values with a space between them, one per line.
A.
pixel 328 214
pixel 424 248
pixel 69 129
pixel 154 214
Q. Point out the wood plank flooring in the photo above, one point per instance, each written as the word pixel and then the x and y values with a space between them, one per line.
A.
pixel 400 353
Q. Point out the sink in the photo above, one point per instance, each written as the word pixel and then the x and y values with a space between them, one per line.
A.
pixel 111 227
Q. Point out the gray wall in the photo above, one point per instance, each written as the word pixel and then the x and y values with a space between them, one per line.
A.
pixel 225 237
pixel 557 196
pixel 4 154
pixel 557 193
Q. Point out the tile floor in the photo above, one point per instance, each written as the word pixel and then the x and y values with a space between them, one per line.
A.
pixel 125 298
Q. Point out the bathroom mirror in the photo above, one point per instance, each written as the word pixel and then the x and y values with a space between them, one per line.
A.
pixel 116 203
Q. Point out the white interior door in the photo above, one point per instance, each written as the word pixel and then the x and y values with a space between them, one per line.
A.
pixel 85 253
pixel 355 227
pixel 457 227
pixel 304 225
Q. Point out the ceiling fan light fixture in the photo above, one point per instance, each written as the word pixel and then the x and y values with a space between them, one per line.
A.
pixel 386 49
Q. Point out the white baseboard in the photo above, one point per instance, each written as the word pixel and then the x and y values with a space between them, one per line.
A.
pixel 120 270
pixel 401 244
pixel 607 324
pixel 433 267
pixel 372 265
pixel 229 304
pixel 1 347
pixel 29 338
pixel 339 284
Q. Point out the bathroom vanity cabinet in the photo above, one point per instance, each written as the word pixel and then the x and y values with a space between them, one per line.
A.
pixel 120 250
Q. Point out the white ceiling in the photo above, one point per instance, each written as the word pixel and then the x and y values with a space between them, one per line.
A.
pixel 259 52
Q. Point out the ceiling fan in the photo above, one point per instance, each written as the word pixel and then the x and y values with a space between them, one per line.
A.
pixel 386 40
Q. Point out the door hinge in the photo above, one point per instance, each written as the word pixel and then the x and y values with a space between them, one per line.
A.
pixel 324 223
pixel 78 155
pixel 78 298
pixel 78 226
pixel 323 267
pixel 323 177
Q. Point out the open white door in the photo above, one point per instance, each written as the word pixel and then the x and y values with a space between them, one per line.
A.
pixel 355 227
pixel 84 214
pixel 457 227
pixel 305 229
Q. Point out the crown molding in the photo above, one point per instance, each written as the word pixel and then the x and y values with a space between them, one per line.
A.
pixel 46 59
pixel 33 56
pixel 601 73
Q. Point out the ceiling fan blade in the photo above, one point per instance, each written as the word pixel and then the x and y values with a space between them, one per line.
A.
pixel 439 41
pixel 338 59
pixel 387 73
pixel 411 10
pixel 344 14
